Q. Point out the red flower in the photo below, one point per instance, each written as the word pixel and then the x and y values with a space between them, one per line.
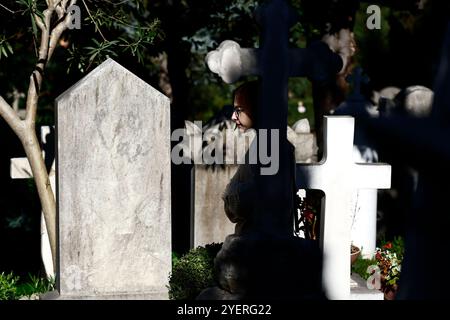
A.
pixel 378 255
pixel 388 246
pixel 309 215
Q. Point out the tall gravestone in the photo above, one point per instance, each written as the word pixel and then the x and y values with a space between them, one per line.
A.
pixel 113 187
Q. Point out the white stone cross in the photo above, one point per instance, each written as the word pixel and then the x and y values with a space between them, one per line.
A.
pixel 338 176
pixel 20 169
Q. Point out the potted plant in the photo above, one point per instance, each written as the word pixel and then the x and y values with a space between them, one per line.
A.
pixel 354 253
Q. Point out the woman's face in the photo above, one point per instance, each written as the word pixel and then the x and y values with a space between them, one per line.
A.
pixel 242 115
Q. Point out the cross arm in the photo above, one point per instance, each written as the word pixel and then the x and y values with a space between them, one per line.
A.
pixel 416 139
pixel 318 62
pixel 230 61
pixel 372 176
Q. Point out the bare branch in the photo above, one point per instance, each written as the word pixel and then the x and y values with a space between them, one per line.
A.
pixel 6 8
pixel 33 97
pixel 53 3
pixel 43 48
pixel 41 24
pixel 60 11
pixel 37 75
pixel 96 25
pixel 10 117
pixel 58 30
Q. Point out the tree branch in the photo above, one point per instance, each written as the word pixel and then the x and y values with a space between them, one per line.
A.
pixel 49 39
pixel 37 75
pixel 41 24
pixel 59 29
pixel 60 11
pixel 57 2
pixel 6 8
pixel 25 129
pixel 93 20
pixel 11 117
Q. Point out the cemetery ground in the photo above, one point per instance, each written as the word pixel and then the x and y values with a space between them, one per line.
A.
pixel 103 196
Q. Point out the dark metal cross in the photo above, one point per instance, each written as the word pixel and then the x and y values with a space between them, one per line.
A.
pixel 274 62
pixel 357 78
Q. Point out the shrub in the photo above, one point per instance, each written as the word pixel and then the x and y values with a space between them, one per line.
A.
pixel 193 272
pixel 35 285
pixel 8 286
pixel 360 266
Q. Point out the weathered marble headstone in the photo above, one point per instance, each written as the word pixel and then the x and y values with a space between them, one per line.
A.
pixel 210 223
pixel 113 180
pixel 338 176
pixel 304 142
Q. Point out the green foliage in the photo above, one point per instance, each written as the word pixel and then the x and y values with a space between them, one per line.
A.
pixel 360 266
pixel 300 89
pixel 397 246
pixel 35 285
pixel 388 258
pixel 101 51
pixel 175 258
pixel 5 47
pixel 216 95
pixel 124 28
pixel 33 9
pixel 142 37
pixel 11 288
pixel 8 286
pixel 193 272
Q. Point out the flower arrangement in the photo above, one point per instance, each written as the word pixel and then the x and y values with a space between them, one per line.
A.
pixel 389 258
